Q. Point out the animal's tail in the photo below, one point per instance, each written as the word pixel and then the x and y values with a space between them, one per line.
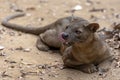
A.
pixel 27 29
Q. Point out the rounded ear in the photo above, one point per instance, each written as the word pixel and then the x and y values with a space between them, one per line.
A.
pixel 93 26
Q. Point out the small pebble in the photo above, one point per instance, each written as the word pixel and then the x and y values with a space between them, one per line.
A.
pixel 27 50
pixel 28 14
pixel 77 7
pixel 1 47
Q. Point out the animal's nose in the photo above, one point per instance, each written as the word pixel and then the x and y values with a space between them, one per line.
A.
pixel 65 35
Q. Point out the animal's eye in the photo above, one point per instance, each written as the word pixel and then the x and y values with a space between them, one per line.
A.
pixel 78 32
pixel 66 27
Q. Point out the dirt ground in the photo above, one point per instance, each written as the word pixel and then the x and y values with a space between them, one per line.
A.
pixel 21 60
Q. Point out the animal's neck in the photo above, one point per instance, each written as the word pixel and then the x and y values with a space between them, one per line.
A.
pixel 88 45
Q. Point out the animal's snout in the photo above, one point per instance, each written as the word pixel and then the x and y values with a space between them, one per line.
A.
pixel 65 35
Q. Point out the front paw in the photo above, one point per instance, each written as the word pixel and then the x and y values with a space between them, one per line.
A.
pixel 42 47
pixel 89 68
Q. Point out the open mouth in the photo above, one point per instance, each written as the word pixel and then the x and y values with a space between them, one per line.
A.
pixel 67 43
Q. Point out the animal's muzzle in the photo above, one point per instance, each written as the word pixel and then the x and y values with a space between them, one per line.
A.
pixel 65 35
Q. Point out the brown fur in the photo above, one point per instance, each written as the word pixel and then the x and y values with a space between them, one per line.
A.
pixel 83 51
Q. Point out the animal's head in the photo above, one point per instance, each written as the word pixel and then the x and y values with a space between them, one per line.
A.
pixel 79 32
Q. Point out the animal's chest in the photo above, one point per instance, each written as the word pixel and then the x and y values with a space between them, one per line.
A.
pixel 85 56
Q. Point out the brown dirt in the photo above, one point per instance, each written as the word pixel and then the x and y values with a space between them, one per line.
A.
pixel 16 64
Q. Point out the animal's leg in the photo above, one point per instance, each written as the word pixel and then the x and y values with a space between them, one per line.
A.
pixel 41 46
pixel 105 66
pixel 88 68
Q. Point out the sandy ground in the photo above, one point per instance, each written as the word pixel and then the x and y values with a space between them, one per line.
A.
pixel 21 60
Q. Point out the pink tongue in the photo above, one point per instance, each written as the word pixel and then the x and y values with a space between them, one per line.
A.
pixel 60 38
